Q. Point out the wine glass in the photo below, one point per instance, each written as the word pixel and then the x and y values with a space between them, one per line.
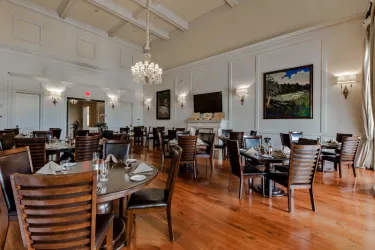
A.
pixel 95 159
pixel 127 161
pixel 104 172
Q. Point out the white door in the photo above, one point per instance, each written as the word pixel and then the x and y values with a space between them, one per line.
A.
pixel 26 111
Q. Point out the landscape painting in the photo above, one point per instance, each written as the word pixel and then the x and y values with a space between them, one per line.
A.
pixel 163 105
pixel 288 93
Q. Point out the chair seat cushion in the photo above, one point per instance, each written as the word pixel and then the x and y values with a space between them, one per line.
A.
pixel 333 158
pixel 102 224
pixel 251 170
pixel 148 198
pixel 219 146
pixel 282 168
pixel 281 178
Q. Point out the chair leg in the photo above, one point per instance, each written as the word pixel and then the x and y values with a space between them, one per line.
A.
pixel 206 162
pixel 340 174
pixel 270 189
pixel 129 228
pixel 355 175
pixel 169 216
pixel 230 180
pixel 290 200
pixel 212 162
pixel 263 186
pixel 241 187
pixel 312 199
pixel 250 180
pixel 195 169
pixel 162 162
pixel 322 165
pixel 109 237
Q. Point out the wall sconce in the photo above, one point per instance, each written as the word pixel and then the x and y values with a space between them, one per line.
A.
pixel 113 102
pixel 241 93
pixel 344 81
pixel 148 104
pixel 55 98
pixel 181 99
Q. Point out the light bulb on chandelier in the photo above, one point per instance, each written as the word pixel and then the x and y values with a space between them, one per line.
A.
pixel 147 71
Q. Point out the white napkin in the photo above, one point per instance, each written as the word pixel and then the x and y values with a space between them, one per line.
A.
pixel 109 157
pixel 50 168
pixel 286 150
pixel 279 154
pixel 174 141
pixel 200 142
pixel 252 151
pixel 143 167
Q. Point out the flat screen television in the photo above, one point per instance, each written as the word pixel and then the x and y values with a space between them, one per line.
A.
pixel 208 103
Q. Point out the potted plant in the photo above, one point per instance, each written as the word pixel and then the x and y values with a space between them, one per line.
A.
pixel 75 126
pixel 101 126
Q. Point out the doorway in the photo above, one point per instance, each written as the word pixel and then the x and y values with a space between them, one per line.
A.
pixel 26 111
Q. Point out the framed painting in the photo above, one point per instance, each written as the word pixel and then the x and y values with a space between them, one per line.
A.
pixel 163 105
pixel 288 93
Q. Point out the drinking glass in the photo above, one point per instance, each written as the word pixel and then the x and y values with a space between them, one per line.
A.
pixel 95 159
pixel 127 161
pixel 65 166
pixel 104 172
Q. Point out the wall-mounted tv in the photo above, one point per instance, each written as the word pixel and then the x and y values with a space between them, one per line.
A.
pixel 208 103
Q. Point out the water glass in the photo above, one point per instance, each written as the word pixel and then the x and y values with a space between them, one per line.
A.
pixel 95 159
pixel 104 172
pixel 127 161
pixel 65 166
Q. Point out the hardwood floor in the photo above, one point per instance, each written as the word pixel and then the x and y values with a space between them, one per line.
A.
pixel 206 215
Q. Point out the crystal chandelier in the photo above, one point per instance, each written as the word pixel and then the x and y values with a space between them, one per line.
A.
pixel 147 71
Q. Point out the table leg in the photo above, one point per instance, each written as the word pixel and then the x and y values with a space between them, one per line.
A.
pixel 276 191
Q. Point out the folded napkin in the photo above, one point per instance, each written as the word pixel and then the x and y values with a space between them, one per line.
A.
pixel 286 150
pixel 50 168
pixel 174 141
pixel 279 154
pixel 110 158
pixel 200 142
pixel 142 168
pixel 252 151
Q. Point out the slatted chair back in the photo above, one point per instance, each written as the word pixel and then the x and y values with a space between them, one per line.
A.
pixel 349 149
pixel 252 142
pixel 37 147
pixel 85 147
pixel 108 134
pixel 56 212
pixel 173 170
pixel 208 138
pixel 138 132
pixel 162 142
pixel 305 141
pixel 15 130
pixel 81 132
pixel 304 160
pixel 117 148
pixel 56 132
pixel 253 133
pixel 7 140
pixel 172 135
pixel 285 140
pixel 234 157
pixel 43 134
pixel 294 136
pixel 225 132
pixel 237 136
pixel 188 144
pixel 12 161
pixel 180 129
pixel 340 137
pixel 182 133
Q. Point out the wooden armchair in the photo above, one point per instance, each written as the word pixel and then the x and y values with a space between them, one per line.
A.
pixel 207 152
pixel 85 147
pixel 7 140
pixel 188 144
pixel 37 147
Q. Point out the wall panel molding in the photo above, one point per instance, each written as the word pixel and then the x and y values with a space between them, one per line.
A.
pixel 27 30
pixel 86 48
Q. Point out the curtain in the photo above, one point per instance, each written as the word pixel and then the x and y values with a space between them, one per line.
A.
pixel 366 156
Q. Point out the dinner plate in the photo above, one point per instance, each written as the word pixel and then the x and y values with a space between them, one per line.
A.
pixel 138 177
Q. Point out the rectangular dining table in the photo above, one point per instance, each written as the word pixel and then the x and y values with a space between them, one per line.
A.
pixel 259 159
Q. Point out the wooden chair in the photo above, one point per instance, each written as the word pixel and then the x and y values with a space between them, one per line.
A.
pixel 182 133
pixel 56 132
pixel 237 136
pixel 81 132
pixel 294 136
pixel 340 136
pixel 188 144
pixel 305 141
pixel 222 147
pixel 206 152
pixel 180 129
pixel 285 140
pixel 302 168
pixel 118 148
pixel 11 161
pixel 172 135
pixel 59 212
pixel 37 147
pixel 138 135
pixel 85 147
pixel 15 130
pixel 155 137
pixel 253 133
pixel 108 134
pixel 161 129
pixel 43 134
pixel 347 155
pixel 125 130
pixel 149 200
pixel 241 171
pixel 252 142
pixel 164 154
pixel 7 140
pixel 149 136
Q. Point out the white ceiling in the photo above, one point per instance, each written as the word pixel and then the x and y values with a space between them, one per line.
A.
pixel 126 19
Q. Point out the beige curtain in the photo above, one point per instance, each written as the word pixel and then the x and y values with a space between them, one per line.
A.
pixel 367 154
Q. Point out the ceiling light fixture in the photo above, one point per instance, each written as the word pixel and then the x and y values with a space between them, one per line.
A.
pixel 147 71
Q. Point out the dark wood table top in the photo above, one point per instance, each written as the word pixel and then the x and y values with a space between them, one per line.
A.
pixel 226 138
pixel 119 184
pixel 331 146
pixel 260 159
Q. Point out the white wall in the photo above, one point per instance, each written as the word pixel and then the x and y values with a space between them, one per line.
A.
pixel 333 50
pixel 40 45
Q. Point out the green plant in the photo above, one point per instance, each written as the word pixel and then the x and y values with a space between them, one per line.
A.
pixel 75 126
pixel 101 126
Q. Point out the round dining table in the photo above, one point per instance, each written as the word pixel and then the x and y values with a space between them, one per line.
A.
pixel 118 187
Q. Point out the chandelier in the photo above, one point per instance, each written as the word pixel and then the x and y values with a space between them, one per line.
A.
pixel 147 72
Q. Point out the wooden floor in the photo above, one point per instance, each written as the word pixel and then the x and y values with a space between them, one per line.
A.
pixel 207 216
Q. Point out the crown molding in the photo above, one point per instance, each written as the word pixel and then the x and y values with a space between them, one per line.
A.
pixel 243 50
pixel 72 22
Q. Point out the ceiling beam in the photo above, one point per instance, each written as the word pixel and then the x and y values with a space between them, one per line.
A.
pixel 232 3
pixel 64 8
pixel 118 10
pixel 114 30
pixel 166 14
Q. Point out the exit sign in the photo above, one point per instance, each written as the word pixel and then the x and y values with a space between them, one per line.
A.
pixel 87 94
